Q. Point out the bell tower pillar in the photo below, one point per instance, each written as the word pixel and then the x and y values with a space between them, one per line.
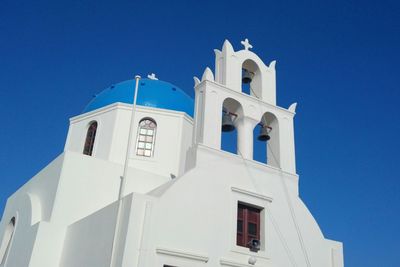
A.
pixel 207 128
pixel 245 140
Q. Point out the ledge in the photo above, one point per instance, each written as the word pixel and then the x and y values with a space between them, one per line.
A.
pixel 252 163
pixel 124 106
pixel 253 194
pixel 249 97
pixel 182 254
pixel 225 262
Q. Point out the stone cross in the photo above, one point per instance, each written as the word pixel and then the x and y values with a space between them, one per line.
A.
pixel 246 44
pixel 152 76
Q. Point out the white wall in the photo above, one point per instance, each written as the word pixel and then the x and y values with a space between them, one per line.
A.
pixel 173 137
pixel 88 241
pixel 31 205
pixel 106 120
pixel 189 221
pixel 193 223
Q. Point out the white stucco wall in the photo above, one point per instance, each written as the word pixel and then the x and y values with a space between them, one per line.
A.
pixel 173 137
pixel 188 221
pixel 193 223
pixel 31 205
pixel 88 241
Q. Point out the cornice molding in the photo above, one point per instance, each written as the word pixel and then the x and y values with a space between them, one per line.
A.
pixel 252 194
pixel 229 263
pixel 182 254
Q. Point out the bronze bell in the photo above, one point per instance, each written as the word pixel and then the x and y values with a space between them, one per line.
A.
pixel 247 76
pixel 227 123
pixel 264 133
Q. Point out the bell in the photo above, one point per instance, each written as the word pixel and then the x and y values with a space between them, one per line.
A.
pixel 264 133
pixel 227 123
pixel 247 76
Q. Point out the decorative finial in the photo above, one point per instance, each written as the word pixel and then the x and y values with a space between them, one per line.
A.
pixel 292 107
pixel 196 81
pixel 246 44
pixel 227 48
pixel 207 75
pixel 152 76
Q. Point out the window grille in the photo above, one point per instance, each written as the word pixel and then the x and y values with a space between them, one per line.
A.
pixel 90 137
pixel 146 138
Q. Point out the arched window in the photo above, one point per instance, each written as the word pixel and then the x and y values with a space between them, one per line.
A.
pixel 146 137
pixel 6 242
pixel 90 137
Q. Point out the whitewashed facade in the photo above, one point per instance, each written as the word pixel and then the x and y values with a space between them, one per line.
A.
pixel 180 206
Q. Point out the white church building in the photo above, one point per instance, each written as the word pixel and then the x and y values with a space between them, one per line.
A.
pixel 148 185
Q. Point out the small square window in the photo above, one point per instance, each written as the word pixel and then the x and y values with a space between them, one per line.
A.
pixel 248 225
pixel 252 229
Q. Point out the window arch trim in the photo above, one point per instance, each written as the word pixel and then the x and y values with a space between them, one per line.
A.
pixel 146 136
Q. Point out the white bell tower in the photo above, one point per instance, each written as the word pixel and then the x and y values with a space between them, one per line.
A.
pixel 222 93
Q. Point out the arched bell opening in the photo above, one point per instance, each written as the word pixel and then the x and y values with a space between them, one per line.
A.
pixel 266 146
pixel 229 141
pixel 231 113
pixel 251 78
pixel 259 145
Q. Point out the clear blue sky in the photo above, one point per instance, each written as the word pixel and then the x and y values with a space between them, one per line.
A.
pixel 338 59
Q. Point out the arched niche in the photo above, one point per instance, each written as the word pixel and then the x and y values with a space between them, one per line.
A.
pixel 234 110
pixel 6 240
pixel 252 70
pixel 267 151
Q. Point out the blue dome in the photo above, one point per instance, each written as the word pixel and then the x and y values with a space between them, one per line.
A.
pixel 151 93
